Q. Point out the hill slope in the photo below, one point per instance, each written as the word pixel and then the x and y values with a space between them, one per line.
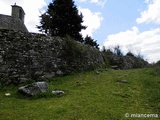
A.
pixel 97 95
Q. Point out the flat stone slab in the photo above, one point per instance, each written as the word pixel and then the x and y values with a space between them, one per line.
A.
pixel 57 92
pixel 122 81
pixel 7 94
pixel 115 67
pixel 34 88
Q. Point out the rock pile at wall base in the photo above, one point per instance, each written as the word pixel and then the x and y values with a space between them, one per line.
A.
pixel 127 62
pixel 26 56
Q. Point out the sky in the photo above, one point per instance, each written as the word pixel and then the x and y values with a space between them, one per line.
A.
pixel 134 25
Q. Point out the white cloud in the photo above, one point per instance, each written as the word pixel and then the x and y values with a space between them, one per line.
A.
pixel 97 2
pixel 82 0
pixel 152 14
pixel 94 1
pixel 32 9
pixel 91 20
pixel 147 42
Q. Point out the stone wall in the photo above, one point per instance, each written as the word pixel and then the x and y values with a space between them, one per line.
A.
pixel 28 55
pixel 9 22
pixel 127 62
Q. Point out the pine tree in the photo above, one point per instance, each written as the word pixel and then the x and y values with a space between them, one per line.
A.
pixel 61 19
pixel 88 40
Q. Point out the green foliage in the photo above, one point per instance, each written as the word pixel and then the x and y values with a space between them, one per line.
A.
pixel 118 51
pixel 128 61
pixel 87 96
pixel 72 48
pixel 45 23
pixel 80 57
pixel 158 63
pixel 73 53
pixel 106 60
pixel 130 54
pixel 157 67
pixel 140 56
pixel 89 41
pixel 108 52
pixel 62 19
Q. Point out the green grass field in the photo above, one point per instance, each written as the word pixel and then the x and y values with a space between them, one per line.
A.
pixel 88 96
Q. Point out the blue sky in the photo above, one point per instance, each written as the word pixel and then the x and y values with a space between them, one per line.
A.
pixel 117 16
pixel 132 24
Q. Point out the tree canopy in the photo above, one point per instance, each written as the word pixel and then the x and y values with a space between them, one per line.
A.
pixel 62 18
pixel 88 40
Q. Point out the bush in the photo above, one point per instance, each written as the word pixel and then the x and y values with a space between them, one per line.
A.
pixel 158 63
pixel 73 52
pixel 129 61
pixel 130 54
pixel 118 51
pixel 157 68
pixel 106 60
pixel 79 57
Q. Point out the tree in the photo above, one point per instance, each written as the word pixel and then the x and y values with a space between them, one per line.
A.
pixel 88 40
pixel 107 51
pixel 118 51
pixel 61 19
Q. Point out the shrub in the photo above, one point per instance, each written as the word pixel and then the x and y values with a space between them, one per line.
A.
pixel 157 68
pixel 106 60
pixel 130 54
pixel 118 51
pixel 116 58
pixel 79 57
pixel 140 56
pixel 158 63
pixel 72 53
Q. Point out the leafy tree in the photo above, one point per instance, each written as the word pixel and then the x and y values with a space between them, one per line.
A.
pixel 88 40
pixel 45 23
pixel 118 51
pixel 61 19
pixel 107 51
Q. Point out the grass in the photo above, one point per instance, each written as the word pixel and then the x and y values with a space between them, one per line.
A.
pixel 88 96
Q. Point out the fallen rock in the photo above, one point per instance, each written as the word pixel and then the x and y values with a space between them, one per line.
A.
pixel 34 88
pixel 122 81
pixel 115 67
pixel 23 79
pixel 59 72
pixel 49 75
pixel 78 83
pixel 7 94
pixel 58 92
pixel 97 72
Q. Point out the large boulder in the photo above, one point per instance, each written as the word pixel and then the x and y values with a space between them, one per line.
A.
pixel 34 88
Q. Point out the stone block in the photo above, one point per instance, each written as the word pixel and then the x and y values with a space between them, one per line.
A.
pixel 34 88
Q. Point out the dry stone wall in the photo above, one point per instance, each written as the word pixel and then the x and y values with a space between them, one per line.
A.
pixel 127 62
pixel 26 56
